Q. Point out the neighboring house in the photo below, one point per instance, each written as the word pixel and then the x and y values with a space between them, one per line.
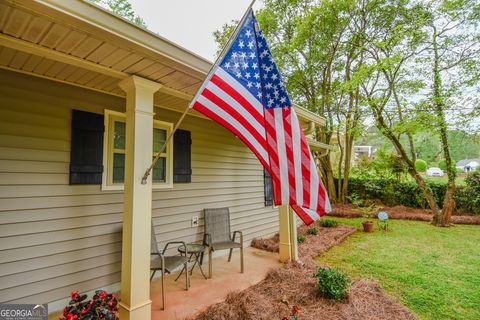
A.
pixel 468 165
pixel 76 83
pixel 363 151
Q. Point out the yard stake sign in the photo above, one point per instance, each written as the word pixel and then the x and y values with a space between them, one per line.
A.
pixel 244 93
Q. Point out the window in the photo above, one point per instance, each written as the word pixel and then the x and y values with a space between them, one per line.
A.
pixel 114 153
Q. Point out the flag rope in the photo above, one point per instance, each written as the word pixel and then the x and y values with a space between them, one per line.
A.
pixel 209 75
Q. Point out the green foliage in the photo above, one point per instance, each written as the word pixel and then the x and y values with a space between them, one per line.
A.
pixel 468 198
pixel 442 164
pixel 124 9
pixel 385 164
pixel 328 223
pixel 221 36
pixel 312 231
pixel 392 192
pixel 301 238
pixel 421 165
pixel 332 284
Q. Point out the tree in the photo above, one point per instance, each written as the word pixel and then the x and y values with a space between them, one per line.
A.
pixel 122 8
pixel 454 49
pixel 395 37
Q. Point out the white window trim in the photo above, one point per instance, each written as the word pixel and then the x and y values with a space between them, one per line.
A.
pixel 107 185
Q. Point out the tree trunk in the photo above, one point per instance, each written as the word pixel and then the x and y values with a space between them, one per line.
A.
pixel 382 125
pixel 442 218
pixel 327 170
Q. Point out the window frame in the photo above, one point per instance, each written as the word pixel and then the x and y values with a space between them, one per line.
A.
pixel 110 117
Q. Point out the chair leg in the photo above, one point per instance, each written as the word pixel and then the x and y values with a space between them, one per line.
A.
pixel 241 260
pixel 153 273
pixel 210 263
pixel 230 255
pixel 187 279
pixel 163 289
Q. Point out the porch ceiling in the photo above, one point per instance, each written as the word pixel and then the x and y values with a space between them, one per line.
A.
pixel 39 39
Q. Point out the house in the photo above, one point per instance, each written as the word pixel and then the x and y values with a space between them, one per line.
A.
pixel 86 99
pixel 468 165
pixel 363 151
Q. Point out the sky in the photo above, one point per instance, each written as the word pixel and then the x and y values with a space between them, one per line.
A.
pixel 190 23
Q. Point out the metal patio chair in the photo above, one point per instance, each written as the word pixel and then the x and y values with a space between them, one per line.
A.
pixel 166 263
pixel 218 236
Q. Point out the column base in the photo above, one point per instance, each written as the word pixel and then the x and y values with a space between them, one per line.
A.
pixel 141 311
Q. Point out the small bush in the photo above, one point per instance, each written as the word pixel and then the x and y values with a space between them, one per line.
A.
pixel 328 223
pixel 442 164
pixel 333 284
pixel 421 165
pixel 301 238
pixel 468 198
pixel 312 231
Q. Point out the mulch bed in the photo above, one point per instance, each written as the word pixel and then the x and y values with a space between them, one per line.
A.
pixel 401 212
pixel 293 284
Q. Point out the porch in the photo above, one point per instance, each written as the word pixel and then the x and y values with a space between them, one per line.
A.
pixel 203 293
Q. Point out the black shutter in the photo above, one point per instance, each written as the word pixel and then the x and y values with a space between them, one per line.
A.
pixel 86 153
pixel 268 190
pixel 182 158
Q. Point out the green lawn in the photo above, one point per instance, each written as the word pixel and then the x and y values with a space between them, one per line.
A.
pixel 433 271
pixel 459 181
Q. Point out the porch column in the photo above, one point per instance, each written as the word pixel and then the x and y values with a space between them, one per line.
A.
pixel 293 235
pixel 137 215
pixel 284 247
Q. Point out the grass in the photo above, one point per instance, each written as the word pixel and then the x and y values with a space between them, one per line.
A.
pixel 433 271
pixel 459 181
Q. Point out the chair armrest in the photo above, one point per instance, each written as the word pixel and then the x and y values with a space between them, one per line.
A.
pixel 241 236
pixel 207 239
pixel 181 243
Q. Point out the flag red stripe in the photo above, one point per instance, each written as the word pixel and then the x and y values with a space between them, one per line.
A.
pixel 235 114
pixel 201 108
pixel 239 98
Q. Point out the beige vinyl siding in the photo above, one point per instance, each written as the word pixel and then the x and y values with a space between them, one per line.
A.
pixel 55 238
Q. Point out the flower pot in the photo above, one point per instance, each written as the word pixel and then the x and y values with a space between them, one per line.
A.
pixel 367 226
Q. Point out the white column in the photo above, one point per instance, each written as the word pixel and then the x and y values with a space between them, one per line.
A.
pixel 137 216
pixel 284 246
pixel 293 235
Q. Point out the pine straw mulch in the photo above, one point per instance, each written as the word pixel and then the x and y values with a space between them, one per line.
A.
pixel 273 298
pixel 400 212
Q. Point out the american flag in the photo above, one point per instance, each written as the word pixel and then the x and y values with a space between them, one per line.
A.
pixel 246 95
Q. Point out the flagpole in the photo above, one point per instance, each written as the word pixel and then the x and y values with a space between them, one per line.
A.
pixel 207 79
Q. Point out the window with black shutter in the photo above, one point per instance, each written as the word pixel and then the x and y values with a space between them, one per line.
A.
pixel 268 190
pixel 182 158
pixel 86 154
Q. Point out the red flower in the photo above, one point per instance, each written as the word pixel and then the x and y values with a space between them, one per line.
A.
pixel 295 310
pixel 102 295
pixel 74 295
pixel 66 310
pixel 72 316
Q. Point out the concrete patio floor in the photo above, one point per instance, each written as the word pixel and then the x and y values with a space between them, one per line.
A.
pixel 202 293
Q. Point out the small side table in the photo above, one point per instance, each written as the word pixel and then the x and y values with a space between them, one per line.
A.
pixel 195 251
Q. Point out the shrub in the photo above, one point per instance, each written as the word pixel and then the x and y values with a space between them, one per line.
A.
pixel 468 198
pixel 392 191
pixel 332 283
pixel 442 164
pixel 312 231
pixel 328 223
pixel 301 238
pixel 421 165
pixel 103 305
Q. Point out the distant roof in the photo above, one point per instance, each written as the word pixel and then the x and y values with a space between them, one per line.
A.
pixel 464 162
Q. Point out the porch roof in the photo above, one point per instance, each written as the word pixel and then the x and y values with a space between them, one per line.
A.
pixel 82 44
